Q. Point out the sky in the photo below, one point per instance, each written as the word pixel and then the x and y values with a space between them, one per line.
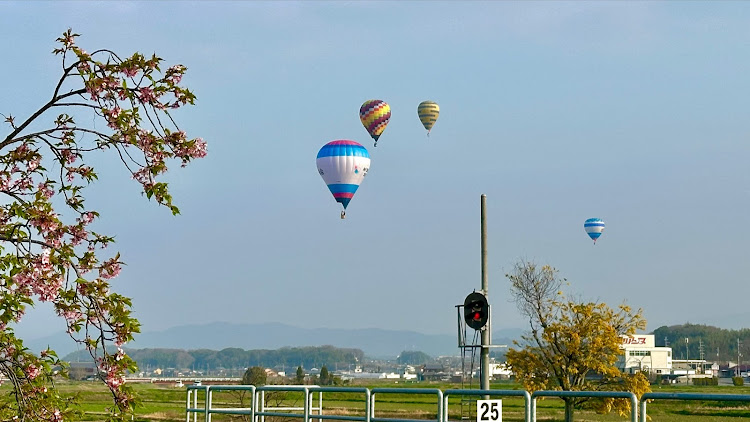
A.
pixel 632 112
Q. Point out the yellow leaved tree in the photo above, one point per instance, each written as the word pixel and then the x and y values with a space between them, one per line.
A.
pixel 572 345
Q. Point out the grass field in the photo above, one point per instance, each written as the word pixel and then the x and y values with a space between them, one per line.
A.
pixel 167 403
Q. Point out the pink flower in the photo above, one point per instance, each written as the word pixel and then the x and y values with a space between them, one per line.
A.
pixel 130 71
pixel 33 164
pixel 94 87
pixel 110 269
pixel 68 156
pixel 174 74
pixel 32 371
pixel 46 190
pixel 69 40
pixel 87 217
pixel 78 234
pixel 143 176
pixel 72 316
pixel 146 94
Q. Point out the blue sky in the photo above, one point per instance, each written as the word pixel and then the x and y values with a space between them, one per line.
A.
pixel 633 112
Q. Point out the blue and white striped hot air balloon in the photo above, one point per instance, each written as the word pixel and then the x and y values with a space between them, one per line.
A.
pixel 343 164
pixel 594 228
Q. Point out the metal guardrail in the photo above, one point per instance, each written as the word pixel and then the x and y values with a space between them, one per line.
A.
pixel 422 391
pixel 192 401
pixel 496 393
pixel 689 396
pixel 257 410
pixel 365 391
pixel 262 411
pixel 609 394
pixel 210 389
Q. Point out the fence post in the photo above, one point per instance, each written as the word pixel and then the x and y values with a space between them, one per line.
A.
pixel 208 403
pixel 308 399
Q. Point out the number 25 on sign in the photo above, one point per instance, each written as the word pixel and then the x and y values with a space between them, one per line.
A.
pixel 489 410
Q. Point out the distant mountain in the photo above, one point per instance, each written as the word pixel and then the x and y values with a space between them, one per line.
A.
pixel 376 343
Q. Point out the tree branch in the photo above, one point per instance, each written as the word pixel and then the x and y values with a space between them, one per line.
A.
pixel 9 139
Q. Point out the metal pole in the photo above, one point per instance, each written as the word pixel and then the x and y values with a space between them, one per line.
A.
pixel 485 352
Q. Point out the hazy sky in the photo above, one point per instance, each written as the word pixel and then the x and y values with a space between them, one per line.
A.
pixel 633 112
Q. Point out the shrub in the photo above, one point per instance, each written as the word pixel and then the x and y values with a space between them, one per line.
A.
pixel 706 381
pixel 738 381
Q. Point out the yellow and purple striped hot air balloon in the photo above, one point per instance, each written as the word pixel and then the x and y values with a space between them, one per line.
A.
pixel 428 114
pixel 375 115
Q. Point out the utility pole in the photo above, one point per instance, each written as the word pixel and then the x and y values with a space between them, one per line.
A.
pixel 739 355
pixel 485 350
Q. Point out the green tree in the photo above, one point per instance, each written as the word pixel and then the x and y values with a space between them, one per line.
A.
pixel 255 376
pixel 325 377
pixel 300 376
pixel 413 358
pixel 572 345
pixel 48 250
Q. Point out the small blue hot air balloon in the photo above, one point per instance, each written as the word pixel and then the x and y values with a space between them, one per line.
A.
pixel 594 228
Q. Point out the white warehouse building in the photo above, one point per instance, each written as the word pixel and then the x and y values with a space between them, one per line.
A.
pixel 642 355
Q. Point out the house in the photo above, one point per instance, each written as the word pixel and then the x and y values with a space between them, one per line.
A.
pixel 500 371
pixel 731 369
pixel 434 372
pixel 82 370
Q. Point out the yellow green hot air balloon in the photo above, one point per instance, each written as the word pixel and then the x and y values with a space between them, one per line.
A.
pixel 375 115
pixel 428 114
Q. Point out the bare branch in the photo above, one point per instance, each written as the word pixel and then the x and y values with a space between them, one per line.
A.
pixel 9 139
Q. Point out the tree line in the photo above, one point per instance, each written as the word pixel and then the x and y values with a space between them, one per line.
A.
pixel 709 337
pixel 232 357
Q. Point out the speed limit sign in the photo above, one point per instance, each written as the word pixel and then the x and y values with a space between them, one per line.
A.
pixel 489 411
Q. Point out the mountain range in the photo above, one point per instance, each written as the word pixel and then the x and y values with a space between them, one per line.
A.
pixel 374 342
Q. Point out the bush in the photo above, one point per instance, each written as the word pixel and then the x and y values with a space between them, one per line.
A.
pixel 255 376
pixel 706 381
pixel 738 381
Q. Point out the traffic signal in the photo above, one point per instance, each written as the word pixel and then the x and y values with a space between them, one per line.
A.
pixel 476 310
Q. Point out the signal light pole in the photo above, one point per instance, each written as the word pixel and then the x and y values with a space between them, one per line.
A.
pixel 484 357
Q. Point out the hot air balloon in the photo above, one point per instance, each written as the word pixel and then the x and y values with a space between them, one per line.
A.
pixel 428 113
pixel 594 228
pixel 375 115
pixel 343 164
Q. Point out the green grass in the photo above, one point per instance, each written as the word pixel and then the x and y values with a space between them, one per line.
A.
pixel 162 402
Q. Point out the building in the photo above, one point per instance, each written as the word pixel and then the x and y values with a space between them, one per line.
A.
pixel 500 371
pixel 642 355
pixel 434 372
pixel 82 370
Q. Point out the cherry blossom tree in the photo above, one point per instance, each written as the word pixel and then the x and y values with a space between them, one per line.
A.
pixel 48 252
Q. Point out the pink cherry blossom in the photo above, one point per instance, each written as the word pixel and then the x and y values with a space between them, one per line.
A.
pixel 146 94
pixel 110 269
pixel 32 371
pixel 87 217
pixel 46 189
pixel 68 156
pixel 84 67
pixel 130 71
